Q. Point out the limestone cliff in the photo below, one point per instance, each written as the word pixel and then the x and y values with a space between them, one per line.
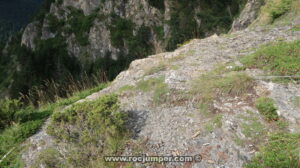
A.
pixel 97 37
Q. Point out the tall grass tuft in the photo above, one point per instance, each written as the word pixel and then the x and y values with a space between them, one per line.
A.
pixel 51 91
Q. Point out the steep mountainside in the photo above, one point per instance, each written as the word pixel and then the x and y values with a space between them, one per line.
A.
pixel 227 100
pixel 94 35
pixel 218 97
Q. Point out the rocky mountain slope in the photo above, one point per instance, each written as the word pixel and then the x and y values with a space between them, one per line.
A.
pixel 199 99
pixel 87 36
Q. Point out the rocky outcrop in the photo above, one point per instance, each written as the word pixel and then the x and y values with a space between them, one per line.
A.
pixel 177 127
pixel 248 15
pixel 87 6
pixel 30 34
pixel 100 42
pixel 138 12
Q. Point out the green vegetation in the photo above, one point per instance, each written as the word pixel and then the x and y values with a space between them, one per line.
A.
pixel 122 29
pixel 49 61
pixel 126 88
pixel 253 128
pixel 50 158
pixel 160 94
pixel 297 101
pixel 53 73
pixel 281 58
pixel 158 86
pixel 278 9
pixel 97 126
pixel 280 151
pixel 19 121
pixel 295 28
pixel 215 16
pixel 159 4
pixel 122 34
pixel 156 68
pixel 55 25
pixel 215 122
pixel 182 56
pixel 80 25
pixel 159 31
pixel 148 85
pixel 267 108
pixel 218 83
pixel 7 112
pixel 274 9
pixel 17 124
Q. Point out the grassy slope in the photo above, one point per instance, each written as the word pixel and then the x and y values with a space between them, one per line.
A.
pixel 282 149
pixel 26 121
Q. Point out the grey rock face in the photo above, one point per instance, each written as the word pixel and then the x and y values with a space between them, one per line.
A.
pixel 30 33
pixel 74 48
pixel 87 6
pixel 248 15
pixel 100 43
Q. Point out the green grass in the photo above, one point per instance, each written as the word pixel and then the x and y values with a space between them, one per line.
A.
pixel 162 66
pixel 253 129
pixel 11 139
pixel 282 150
pixel 80 95
pixel 97 126
pixel 126 88
pixel 278 9
pixel 158 86
pixel 182 56
pixel 50 158
pixel 267 108
pixel 297 101
pixel 160 94
pixel 215 122
pixel 273 9
pixel 19 122
pixel 148 85
pixel 295 28
pixel 80 24
pixel 281 58
pixel 218 83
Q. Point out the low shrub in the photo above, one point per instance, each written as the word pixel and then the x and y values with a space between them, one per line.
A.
pixel 49 158
pixel 97 126
pixel 8 110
